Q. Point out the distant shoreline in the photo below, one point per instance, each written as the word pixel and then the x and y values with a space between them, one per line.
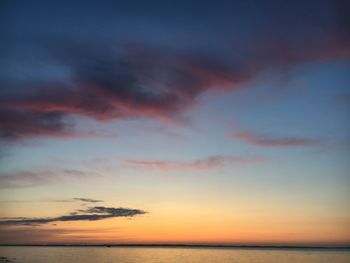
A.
pixel 182 246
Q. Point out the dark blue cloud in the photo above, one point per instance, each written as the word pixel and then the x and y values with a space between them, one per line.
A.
pixel 90 214
pixel 63 59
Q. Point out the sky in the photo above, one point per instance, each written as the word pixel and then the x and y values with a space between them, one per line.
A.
pixel 194 122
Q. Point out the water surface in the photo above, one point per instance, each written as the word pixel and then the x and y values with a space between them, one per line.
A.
pixel 168 254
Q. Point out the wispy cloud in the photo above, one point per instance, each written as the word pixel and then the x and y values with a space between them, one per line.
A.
pixel 21 234
pixel 265 140
pixel 79 199
pixel 207 163
pixel 88 200
pixel 90 214
pixel 67 200
pixel 40 177
pixel 343 99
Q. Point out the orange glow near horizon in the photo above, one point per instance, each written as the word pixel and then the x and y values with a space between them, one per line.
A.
pixel 193 226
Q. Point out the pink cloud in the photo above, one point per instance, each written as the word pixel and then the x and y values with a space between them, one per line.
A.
pixel 273 141
pixel 206 163
pixel 343 99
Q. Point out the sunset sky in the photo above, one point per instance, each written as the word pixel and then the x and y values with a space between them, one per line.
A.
pixel 219 122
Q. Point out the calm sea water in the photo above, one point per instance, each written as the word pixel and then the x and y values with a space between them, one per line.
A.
pixel 158 255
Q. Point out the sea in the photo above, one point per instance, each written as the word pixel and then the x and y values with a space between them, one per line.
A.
pixel 100 254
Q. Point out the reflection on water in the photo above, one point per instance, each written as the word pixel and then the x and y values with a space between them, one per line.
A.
pixel 157 255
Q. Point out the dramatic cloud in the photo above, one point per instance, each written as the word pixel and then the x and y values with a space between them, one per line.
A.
pixel 150 81
pixel 140 83
pixel 273 141
pixel 90 214
pixel 208 163
pixel 17 124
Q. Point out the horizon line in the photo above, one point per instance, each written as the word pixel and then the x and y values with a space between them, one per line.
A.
pixel 184 245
